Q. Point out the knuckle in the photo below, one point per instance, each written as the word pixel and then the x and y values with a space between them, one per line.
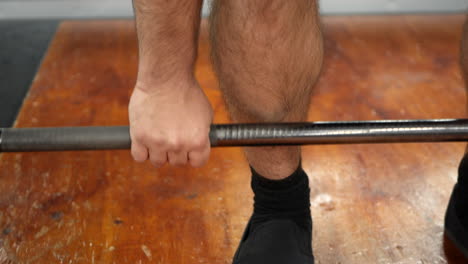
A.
pixel 152 140
pixel 156 141
pixel 149 139
pixel 176 144
pixel 139 133
pixel 199 142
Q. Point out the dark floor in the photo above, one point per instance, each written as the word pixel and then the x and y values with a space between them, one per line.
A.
pixel 22 46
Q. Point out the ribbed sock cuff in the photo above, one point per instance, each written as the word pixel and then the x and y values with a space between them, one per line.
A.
pixel 288 198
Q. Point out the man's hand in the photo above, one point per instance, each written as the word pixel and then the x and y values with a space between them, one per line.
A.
pixel 170 123
pixel 170 116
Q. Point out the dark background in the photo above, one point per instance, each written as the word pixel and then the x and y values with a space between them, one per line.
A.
pixel 22 46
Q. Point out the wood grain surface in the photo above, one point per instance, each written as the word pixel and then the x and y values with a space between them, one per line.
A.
pixel 371 203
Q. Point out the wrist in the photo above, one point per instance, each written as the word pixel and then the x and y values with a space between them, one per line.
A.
pixel 153 84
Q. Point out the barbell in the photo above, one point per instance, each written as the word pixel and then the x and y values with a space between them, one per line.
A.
pixel 254 134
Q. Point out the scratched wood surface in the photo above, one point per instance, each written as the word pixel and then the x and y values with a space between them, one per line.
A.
pixel 371 203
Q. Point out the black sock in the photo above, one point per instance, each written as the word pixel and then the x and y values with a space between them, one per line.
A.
pixel 463 171
pixel 288 198
pixel 462 193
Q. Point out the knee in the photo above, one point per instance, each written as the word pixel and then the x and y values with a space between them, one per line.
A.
pixel 267 13
pixel 264 103
pixel 262 7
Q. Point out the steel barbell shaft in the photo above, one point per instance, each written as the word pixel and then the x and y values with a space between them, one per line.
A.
pixel 267 134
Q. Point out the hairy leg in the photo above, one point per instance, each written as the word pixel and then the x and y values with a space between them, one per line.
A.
pixel 267 55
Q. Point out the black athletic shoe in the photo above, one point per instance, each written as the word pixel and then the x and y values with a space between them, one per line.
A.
pixel 279 241
pixel 456 217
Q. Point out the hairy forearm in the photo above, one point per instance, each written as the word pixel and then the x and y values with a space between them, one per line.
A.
pixel 167 38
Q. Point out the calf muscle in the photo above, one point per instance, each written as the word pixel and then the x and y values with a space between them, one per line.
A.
pixel 267 55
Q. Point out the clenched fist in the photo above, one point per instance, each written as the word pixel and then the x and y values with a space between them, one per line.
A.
pixel 170 123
